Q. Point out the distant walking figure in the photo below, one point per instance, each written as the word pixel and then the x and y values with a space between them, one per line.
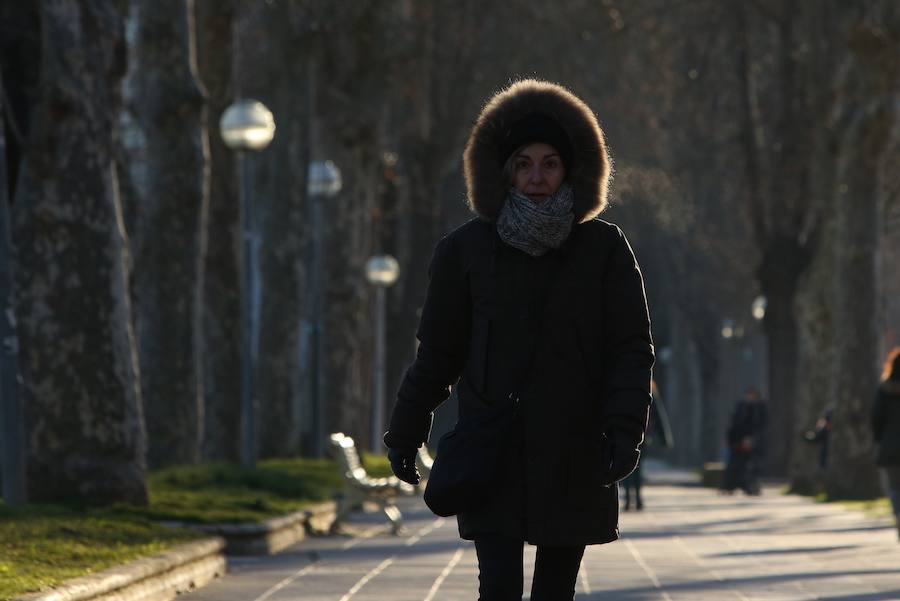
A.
pixel 886 428
pixel 746 443
pixel 659 434
pixel 821 435
pixel 537 306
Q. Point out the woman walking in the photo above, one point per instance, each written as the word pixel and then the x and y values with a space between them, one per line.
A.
pixel 886 428
pixel 538 304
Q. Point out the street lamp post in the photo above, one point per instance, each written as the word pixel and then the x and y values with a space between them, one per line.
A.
pixel 323 181
pixel 247 125
pixel 381 271
pixel 760 340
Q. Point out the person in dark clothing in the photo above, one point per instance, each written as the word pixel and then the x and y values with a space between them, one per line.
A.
pixel 535 302
pixel 659 433
pixel 821 435
pixel 886 429
pixel 746 443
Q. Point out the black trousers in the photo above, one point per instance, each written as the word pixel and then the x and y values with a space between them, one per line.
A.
pixel 501 575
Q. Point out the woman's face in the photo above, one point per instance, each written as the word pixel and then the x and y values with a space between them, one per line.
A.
pixel 537 171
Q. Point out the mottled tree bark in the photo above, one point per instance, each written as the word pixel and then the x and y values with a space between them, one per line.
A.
pixel 12 430
pixel 19 80
pixel 814 304
pixel 867 115
pixel 171 230
pixel 816 347
pixel 221 357
pixel 84 421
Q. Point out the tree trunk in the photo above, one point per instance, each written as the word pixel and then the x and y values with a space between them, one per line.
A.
pixel 221 342
pixel 12 432
pixel 84 419
pixel 815 299
pixel 852 472
pixel 816 346
pixel 866 124
pixel 170 257
pixel 781 329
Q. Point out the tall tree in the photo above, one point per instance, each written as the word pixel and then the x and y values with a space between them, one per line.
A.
pixel 221 337
pixel 780 121
pixel 84 419
pixel 868 92
pixel 12 449
pixel 171 229
pixel 19 70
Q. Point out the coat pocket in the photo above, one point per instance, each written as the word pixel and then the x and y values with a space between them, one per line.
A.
pixel 587 469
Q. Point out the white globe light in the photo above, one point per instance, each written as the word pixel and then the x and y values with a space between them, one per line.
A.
pixel 727 328
pixel 324 179
pixel 758 308
pixel 247 125
pixel 382 270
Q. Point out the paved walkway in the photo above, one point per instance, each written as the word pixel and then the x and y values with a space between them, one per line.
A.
pixel 689 544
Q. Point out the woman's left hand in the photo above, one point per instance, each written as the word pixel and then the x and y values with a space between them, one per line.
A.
pixel 623 457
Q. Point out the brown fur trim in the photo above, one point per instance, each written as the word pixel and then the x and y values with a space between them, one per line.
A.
pixel 592 166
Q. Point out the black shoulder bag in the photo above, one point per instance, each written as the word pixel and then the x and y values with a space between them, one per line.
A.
pixel 468 458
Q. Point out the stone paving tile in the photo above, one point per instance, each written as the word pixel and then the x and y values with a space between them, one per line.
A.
pixel 689 544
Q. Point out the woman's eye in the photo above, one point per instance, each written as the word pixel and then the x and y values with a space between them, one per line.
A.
pixel 551 164
pixel 521 165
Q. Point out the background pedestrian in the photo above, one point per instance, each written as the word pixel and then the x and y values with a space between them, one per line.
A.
pixel 746 443
pixel 659 434
pixel 886 428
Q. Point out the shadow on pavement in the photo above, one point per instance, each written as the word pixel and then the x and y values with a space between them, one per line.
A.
pixel 648 592
pixel 787 551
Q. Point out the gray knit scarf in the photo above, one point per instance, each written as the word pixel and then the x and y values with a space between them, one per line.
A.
pixel 536 227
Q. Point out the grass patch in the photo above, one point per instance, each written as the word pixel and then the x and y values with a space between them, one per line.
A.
pixel 224 493
pixel 42 545
pixel 377 465
pixel 880 507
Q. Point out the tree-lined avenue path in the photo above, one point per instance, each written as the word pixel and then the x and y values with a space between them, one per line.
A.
pixel 689 544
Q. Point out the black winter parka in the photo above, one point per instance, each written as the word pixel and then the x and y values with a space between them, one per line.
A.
pixel 567 332
pixel 484 316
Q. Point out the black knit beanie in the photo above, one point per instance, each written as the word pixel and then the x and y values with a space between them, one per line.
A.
pixel 533 128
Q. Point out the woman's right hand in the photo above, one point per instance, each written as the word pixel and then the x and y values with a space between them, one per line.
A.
pixel 403 464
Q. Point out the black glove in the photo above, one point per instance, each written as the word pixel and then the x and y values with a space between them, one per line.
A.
pixel 623 456
pixel 403 464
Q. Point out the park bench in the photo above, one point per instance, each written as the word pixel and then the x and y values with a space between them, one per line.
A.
pixel 359 487
pixel 424 462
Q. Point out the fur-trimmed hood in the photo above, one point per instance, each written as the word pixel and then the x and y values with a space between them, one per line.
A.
pixel 591 169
